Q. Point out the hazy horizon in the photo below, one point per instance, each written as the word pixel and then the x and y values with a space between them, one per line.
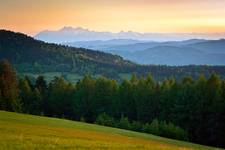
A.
pixel 208 35
pixel 104 30
pixel 72 34
pixel 154 16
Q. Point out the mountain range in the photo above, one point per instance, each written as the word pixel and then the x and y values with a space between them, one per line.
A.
pixel 145 48
pixel 70 34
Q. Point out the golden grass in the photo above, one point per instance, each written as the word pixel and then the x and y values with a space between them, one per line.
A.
pixel 19 131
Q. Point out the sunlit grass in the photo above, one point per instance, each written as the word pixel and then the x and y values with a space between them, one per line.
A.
pixel 19 131
pixel 72 77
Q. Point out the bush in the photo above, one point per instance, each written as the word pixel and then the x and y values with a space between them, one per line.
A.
pixel 146 128
pixel 136 126
pixel 155 127
pixel 105 120
pixel 82 119
pixel 124 123
pixel 164 129
pixel 176 132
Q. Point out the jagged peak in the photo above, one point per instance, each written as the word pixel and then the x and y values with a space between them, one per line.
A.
pixel 70 28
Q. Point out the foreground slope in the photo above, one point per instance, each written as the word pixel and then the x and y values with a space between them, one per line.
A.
pixel 19 131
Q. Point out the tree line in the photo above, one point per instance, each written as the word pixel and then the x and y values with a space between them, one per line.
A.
pixel 189 109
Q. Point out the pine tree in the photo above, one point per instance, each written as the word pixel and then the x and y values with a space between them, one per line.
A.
pixel 9 88
pixel 26 95
pixel 85 99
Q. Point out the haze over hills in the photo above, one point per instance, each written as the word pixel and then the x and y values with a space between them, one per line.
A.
pixel 128 45
pixel 106 45
pixel 194 51
pixel 146 48
pixel 70 34
pixel 171 55
pixel 34 56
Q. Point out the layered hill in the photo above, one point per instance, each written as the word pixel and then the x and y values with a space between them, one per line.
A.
pixel 195 51
pixel 34 56
pixel 175 55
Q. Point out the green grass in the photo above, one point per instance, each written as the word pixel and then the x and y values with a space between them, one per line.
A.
pixel 71 77
pixel 49 76
pixel 19 131
pixel 125 76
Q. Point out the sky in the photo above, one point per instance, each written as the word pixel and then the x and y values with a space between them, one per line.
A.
pixel 170 16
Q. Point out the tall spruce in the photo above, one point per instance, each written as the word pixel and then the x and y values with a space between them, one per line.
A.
pixel 9 96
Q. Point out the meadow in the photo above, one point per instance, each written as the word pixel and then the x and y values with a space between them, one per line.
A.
pixel 71 77
pixel 20 131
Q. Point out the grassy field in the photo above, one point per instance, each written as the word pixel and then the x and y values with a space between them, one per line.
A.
pixel 27 132
pixel 51 75
pixel 71 77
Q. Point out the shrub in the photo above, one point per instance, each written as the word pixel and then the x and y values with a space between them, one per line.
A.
pixel 176 132
pixel 124 123
pixel 106 120
pixel 162 128
pixel 155 127
pixel 82 119
pixel 136 126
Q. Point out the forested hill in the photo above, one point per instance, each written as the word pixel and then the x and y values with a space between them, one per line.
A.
pixel 30 55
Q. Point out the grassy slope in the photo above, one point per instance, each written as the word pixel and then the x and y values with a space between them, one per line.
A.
pixel 49 76
pixel 19 131
pixel 71 77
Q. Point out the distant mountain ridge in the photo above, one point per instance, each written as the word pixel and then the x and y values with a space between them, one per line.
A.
pixel 146 48
pixel 178 53
pixel 103 45
pixel 177 56
pixel 70 34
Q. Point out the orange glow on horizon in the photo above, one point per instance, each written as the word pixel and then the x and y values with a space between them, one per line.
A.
pixel 103 15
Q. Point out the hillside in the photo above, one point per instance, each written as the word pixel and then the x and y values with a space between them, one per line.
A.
pixel 128 45
pixel 32 56
pixel 195 51
pixel 175 55
pixel 19 131
pixel 211 46
pixel 102 45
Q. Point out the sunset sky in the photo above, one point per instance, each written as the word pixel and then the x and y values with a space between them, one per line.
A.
pixel 31 16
